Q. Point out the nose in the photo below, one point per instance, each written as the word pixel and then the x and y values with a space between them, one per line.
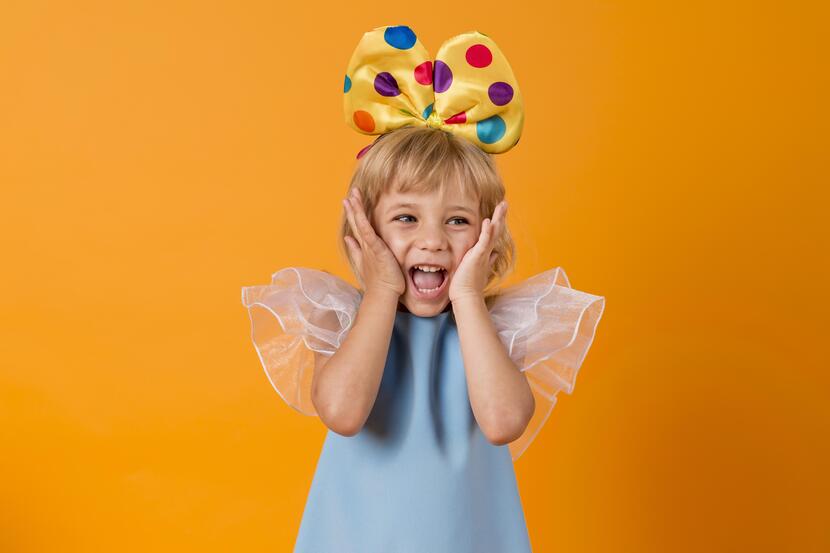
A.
pixel 431 237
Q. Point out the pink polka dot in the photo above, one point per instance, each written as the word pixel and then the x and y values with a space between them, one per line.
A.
pixel 457 118
pixel 423 73
pixel 364 149
pixel 478 55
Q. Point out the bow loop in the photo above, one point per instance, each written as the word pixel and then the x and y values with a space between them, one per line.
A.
pixel 468 89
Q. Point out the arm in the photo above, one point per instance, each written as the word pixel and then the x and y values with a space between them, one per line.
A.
pixel 344 388
pixel 500 394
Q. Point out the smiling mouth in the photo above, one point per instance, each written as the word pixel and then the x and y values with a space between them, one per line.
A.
pixel 428 284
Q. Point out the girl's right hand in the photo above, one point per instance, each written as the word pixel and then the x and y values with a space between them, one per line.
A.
pixel 374 260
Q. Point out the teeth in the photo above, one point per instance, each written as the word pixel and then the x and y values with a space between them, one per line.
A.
pixel 429 269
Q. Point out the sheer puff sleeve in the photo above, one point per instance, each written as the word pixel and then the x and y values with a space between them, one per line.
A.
pixel 297 323
pixel 547 328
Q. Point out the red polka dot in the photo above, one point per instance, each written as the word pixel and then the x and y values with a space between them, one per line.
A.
pixel 364 149
pixel 423 73
pixel 364 121
pixel 457 118
pixel 478 55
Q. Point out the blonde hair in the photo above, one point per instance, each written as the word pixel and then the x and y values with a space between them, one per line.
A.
pixel 426 159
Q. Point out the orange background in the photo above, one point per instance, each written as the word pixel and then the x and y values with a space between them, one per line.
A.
pixel 155 157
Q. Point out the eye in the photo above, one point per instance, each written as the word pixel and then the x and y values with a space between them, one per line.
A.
pixel 459 220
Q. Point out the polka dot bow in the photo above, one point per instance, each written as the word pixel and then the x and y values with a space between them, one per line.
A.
pixel 469 89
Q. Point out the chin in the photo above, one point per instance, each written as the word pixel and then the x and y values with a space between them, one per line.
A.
pixel 424 309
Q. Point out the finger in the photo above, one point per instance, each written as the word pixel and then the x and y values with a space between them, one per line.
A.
pixel 367 231
pixel 349 217
pixel 353 247
pixel 493 230
pixel 499 214
pixel 356 194
pixel 486 232
pixel 357 204
pixel 483 237
pixel 503 206
pixel 356 253
pixel 498 222
pixel 352 224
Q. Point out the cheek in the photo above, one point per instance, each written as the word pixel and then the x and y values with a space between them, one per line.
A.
pixel 397 244
pixel 463 242
pixel 471 237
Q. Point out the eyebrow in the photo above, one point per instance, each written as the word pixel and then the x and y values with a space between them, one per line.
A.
pixel 451 208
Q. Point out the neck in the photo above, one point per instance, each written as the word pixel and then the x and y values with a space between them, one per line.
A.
pixel 402 307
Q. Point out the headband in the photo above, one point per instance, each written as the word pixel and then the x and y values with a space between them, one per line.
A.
pixel 469 89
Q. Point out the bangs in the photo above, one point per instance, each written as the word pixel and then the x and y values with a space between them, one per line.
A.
pixel 424 160
pixel 435 173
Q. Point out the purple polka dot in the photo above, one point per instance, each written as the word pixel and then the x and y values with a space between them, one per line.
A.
pixel 442 76
pixel 386 85
pixel 500 93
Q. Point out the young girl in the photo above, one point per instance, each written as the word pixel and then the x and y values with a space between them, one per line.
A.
pixel 430 380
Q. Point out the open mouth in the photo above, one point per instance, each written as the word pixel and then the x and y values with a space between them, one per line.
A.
pixel 428 281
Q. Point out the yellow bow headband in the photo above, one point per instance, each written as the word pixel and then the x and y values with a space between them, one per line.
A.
pixel 469 90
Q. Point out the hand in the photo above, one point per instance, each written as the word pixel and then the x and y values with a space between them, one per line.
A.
pixel 472 273
pixel 375 262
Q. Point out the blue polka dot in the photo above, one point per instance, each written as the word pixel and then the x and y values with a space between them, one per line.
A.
pixel 427 111
pixel 347 84
pixel 491 130
pixel 400 37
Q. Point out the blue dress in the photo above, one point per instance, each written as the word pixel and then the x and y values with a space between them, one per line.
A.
pixel 420 476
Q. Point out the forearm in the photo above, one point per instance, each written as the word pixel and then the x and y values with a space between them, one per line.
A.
pixel 500 394
pixel 344 389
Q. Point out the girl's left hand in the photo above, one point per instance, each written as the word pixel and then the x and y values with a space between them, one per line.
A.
pixel 472 273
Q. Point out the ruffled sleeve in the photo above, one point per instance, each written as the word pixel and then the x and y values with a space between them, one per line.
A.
pixel 297 323
pixel 547 328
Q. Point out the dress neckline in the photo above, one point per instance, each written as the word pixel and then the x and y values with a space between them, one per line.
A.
pixel 403 312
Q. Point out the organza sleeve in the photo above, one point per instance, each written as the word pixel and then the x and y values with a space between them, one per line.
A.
pixel 547 328
pixel 297 323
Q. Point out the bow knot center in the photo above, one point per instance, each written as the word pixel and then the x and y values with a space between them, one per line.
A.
pixel 434 120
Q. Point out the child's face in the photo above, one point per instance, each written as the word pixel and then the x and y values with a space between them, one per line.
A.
pixel 432 228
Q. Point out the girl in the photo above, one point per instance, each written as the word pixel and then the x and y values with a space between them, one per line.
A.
pixel 430 380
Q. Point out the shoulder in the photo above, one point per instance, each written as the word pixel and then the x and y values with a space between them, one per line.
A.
pixel 544 317
pixel 298 320
pixel 547 327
